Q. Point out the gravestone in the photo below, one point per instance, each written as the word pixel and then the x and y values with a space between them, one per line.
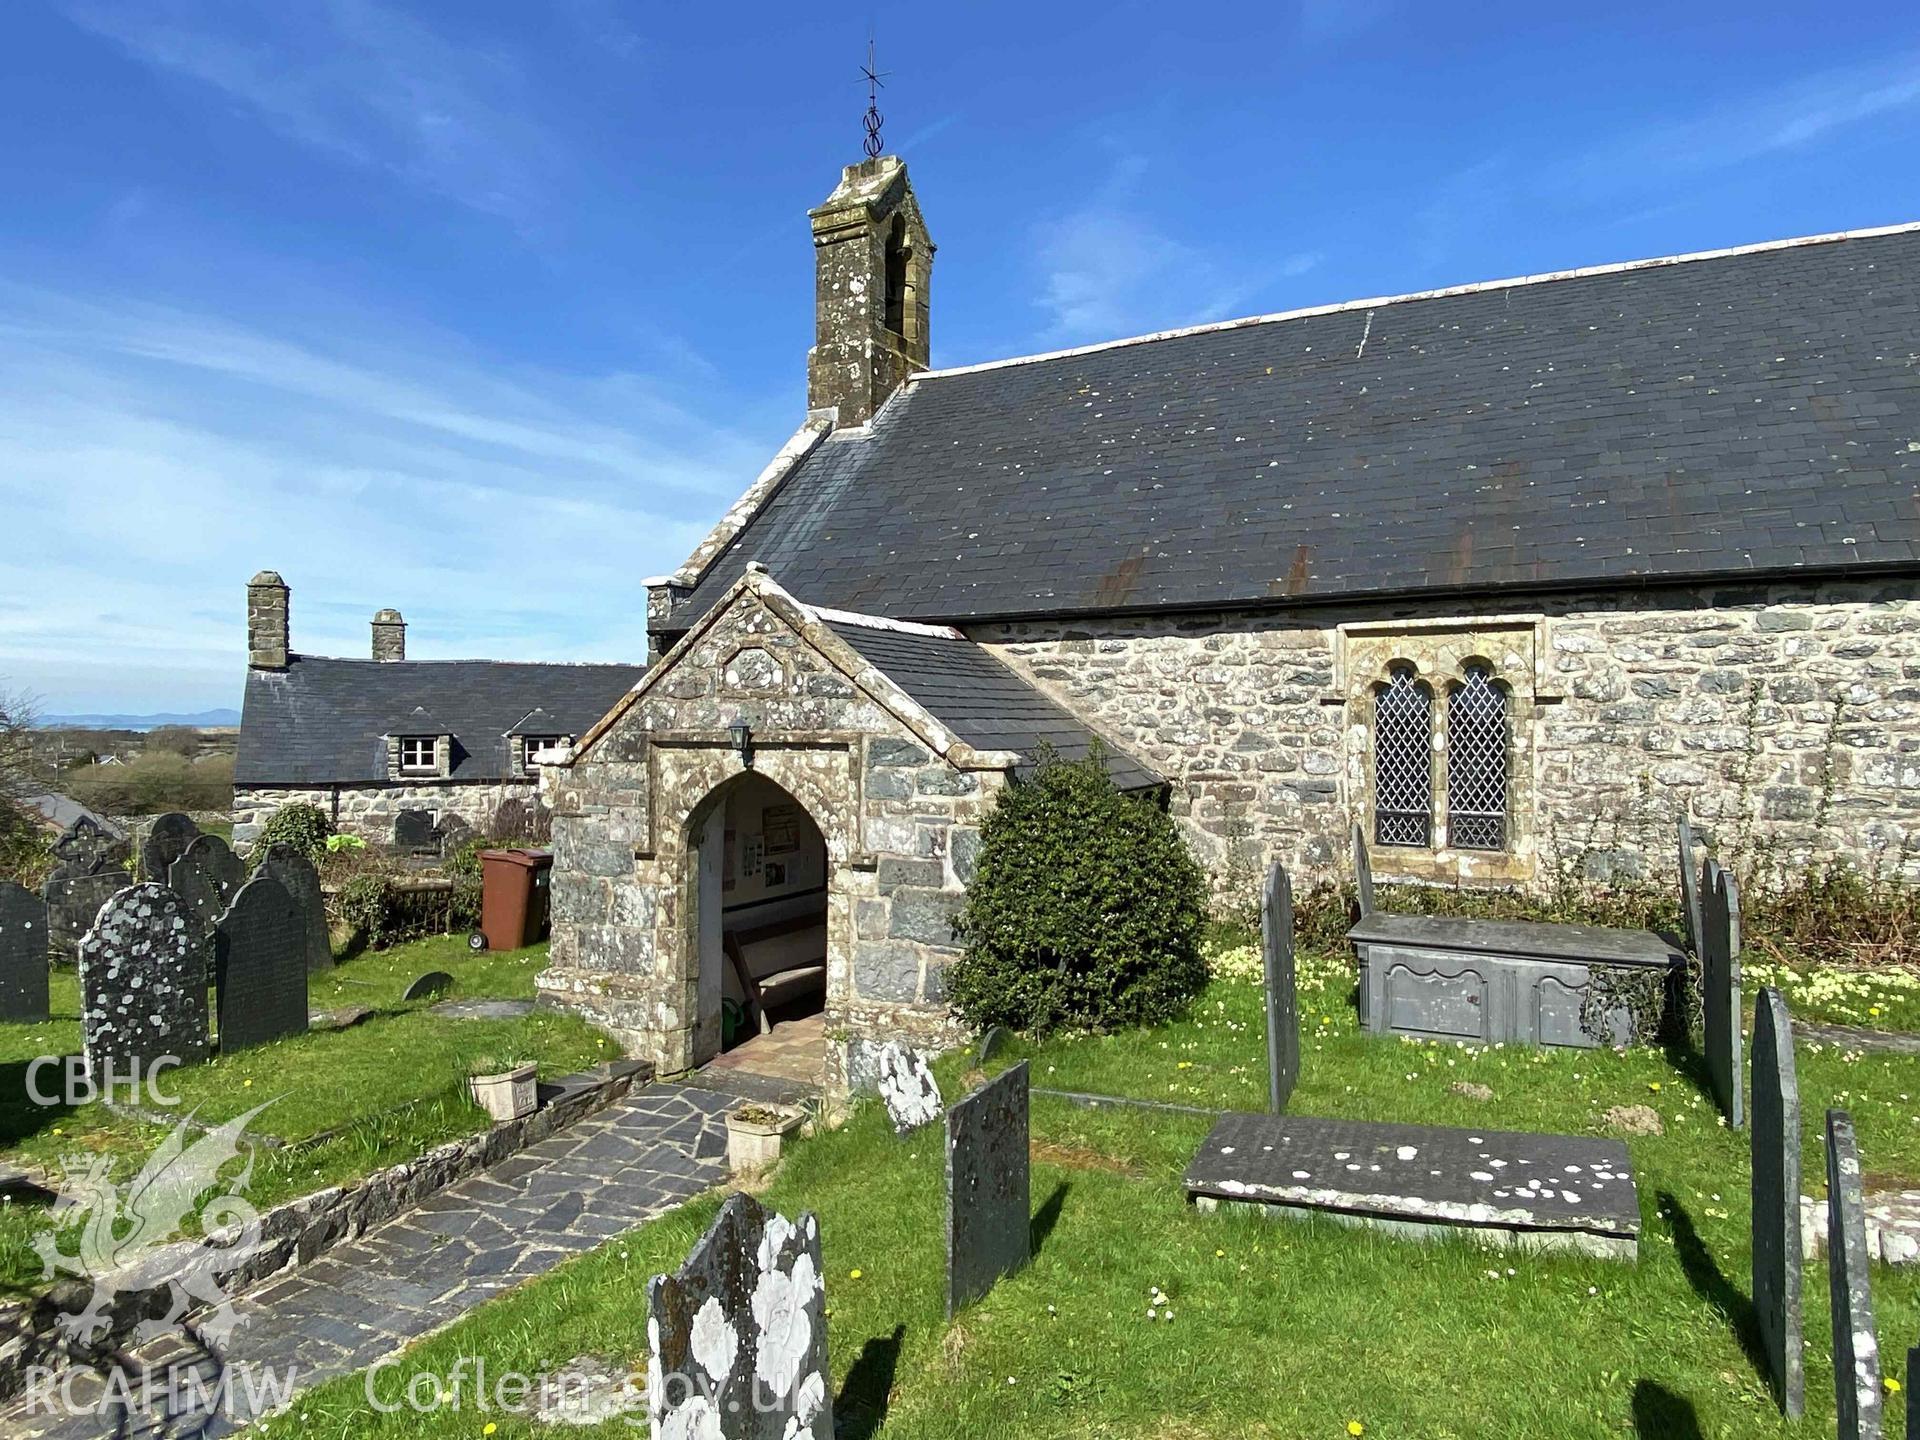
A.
pixel 23 955
pixel 907 1086
pixel 73 903
pixel 207 876
pixel 1720 989
pixel 86 847
pixel 294 871
pixel 260 966
pixel 989 1204
pixel 413 830
pixel 1362 872
pixel 1856 1354
pixel 165 842
pixel 1775 1124
pixel 737 1340
pixel 1283 1013
pixel 143 984
pixel 1689 888
pixel 990 1043
pixel 428 985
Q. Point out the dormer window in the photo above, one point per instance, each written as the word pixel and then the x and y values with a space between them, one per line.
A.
pixel 419 754
pixel 533 745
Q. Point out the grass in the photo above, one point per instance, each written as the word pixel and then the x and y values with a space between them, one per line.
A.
pixel 344 1102
pixel 1278 1330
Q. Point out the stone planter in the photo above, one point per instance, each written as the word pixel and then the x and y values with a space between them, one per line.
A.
pixel 757 1133
pixel 510 1096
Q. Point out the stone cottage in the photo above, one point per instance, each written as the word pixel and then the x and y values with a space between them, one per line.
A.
pixel 1508 574
pixel 394 750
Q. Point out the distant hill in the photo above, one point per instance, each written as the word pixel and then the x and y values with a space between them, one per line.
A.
pixel 200 720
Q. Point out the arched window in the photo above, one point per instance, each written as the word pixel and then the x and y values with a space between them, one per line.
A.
pixel 897 251
pixel 1477 745
pixel 1402 761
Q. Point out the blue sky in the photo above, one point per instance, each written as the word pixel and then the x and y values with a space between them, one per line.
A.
pixel 487 309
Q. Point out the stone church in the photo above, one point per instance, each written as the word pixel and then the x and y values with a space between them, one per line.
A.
pixel 1508 575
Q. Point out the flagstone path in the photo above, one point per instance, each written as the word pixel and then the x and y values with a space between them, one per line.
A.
pixel 371 1297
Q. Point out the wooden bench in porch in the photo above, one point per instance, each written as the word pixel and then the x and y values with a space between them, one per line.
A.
pixel 789 983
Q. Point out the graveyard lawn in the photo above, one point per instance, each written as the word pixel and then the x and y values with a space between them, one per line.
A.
pixel 346 1102
pixel 1275 1329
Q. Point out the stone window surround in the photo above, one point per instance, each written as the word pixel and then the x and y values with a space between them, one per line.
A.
pixel 1438 649
pixel 398 768
pixel 524 747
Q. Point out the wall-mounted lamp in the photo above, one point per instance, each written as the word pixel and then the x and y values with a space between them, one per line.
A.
pixel 742 742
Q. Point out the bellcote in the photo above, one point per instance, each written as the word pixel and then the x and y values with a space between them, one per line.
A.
pixel 872 267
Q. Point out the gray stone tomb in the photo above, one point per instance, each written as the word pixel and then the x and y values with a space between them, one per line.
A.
pixel 1283 1011
pixel 1775 1125
pixel 1720 989
pixel 207 876
pixel 143 983
pixel 737 1340
pixel 1856 1348
pixel 260 966
pixel 907 1086
pixel 23 955
pixel 989 1201
pixel 73 903
pixel 302 882
pixel 166 841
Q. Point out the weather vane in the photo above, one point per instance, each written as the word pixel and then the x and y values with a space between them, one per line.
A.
pixel 874 80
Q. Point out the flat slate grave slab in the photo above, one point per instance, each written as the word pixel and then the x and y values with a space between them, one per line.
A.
pixel 1502 1187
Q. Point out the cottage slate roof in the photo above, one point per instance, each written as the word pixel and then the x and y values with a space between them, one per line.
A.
pixel 324 721
pixel 984 702
pixel 1749 413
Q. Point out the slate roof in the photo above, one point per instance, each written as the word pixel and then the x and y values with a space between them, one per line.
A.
pixel 983 702
pixel 1735 415
pixel 324 721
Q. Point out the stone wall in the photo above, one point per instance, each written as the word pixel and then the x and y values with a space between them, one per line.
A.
pixel 1783 715
pixel 896 799
pixel 370 810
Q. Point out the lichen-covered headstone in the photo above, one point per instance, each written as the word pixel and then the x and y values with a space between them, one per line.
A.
pixel 87 847
pixel 302 882
pixel 73 903
pixel 1774 1098
pixel 207 876
pixel 23 954
pixel 989 1214
pixel 1689 887
pixel 1283 1012
pixel 907 1086
pixel 166 841
pixel 1856 1348
pixel 143 984
pixel 260 966
pixel 1720 989
pixel 737 1340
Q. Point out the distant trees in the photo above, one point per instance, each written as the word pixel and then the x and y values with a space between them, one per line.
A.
pixel 179 739
pixel 23 846
pixel 151 781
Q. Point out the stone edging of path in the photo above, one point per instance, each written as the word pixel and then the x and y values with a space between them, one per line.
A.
pixel 1893 1226
pixel 301 1230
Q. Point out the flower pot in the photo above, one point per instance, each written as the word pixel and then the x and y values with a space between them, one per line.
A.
pixel 755 1135
pixel 508 1096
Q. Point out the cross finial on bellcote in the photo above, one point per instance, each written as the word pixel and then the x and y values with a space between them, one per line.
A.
pixel 875 80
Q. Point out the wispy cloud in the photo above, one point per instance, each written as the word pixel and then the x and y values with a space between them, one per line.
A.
pixel 155 458
pixel 358 80
pixel 1108 269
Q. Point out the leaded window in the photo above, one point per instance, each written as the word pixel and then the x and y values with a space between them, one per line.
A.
pixel 1478 738
pixel 1402 761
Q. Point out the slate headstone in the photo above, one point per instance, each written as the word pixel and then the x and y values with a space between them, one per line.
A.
pixel 260 966
pixel 1689 888
pixel 302 882
pixel 165 842
pixel 73 903
pixel 451 832
pixel 990 1042
pixel 1720 989
pixel 1362 872
pixel 989 1201
pixel 23 955
pixel 428 985
pixel 737 1340
pixel 87 847
pixel 907 1086
pixel 207 876
pixel 1283 1011
pixel 1774 1098
pixel 413 830
pixel 143 983
pixel 1856 1352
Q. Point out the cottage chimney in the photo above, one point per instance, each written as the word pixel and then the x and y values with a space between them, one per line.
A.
pixel 267 609
pixel 872 266
pixel 389 636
